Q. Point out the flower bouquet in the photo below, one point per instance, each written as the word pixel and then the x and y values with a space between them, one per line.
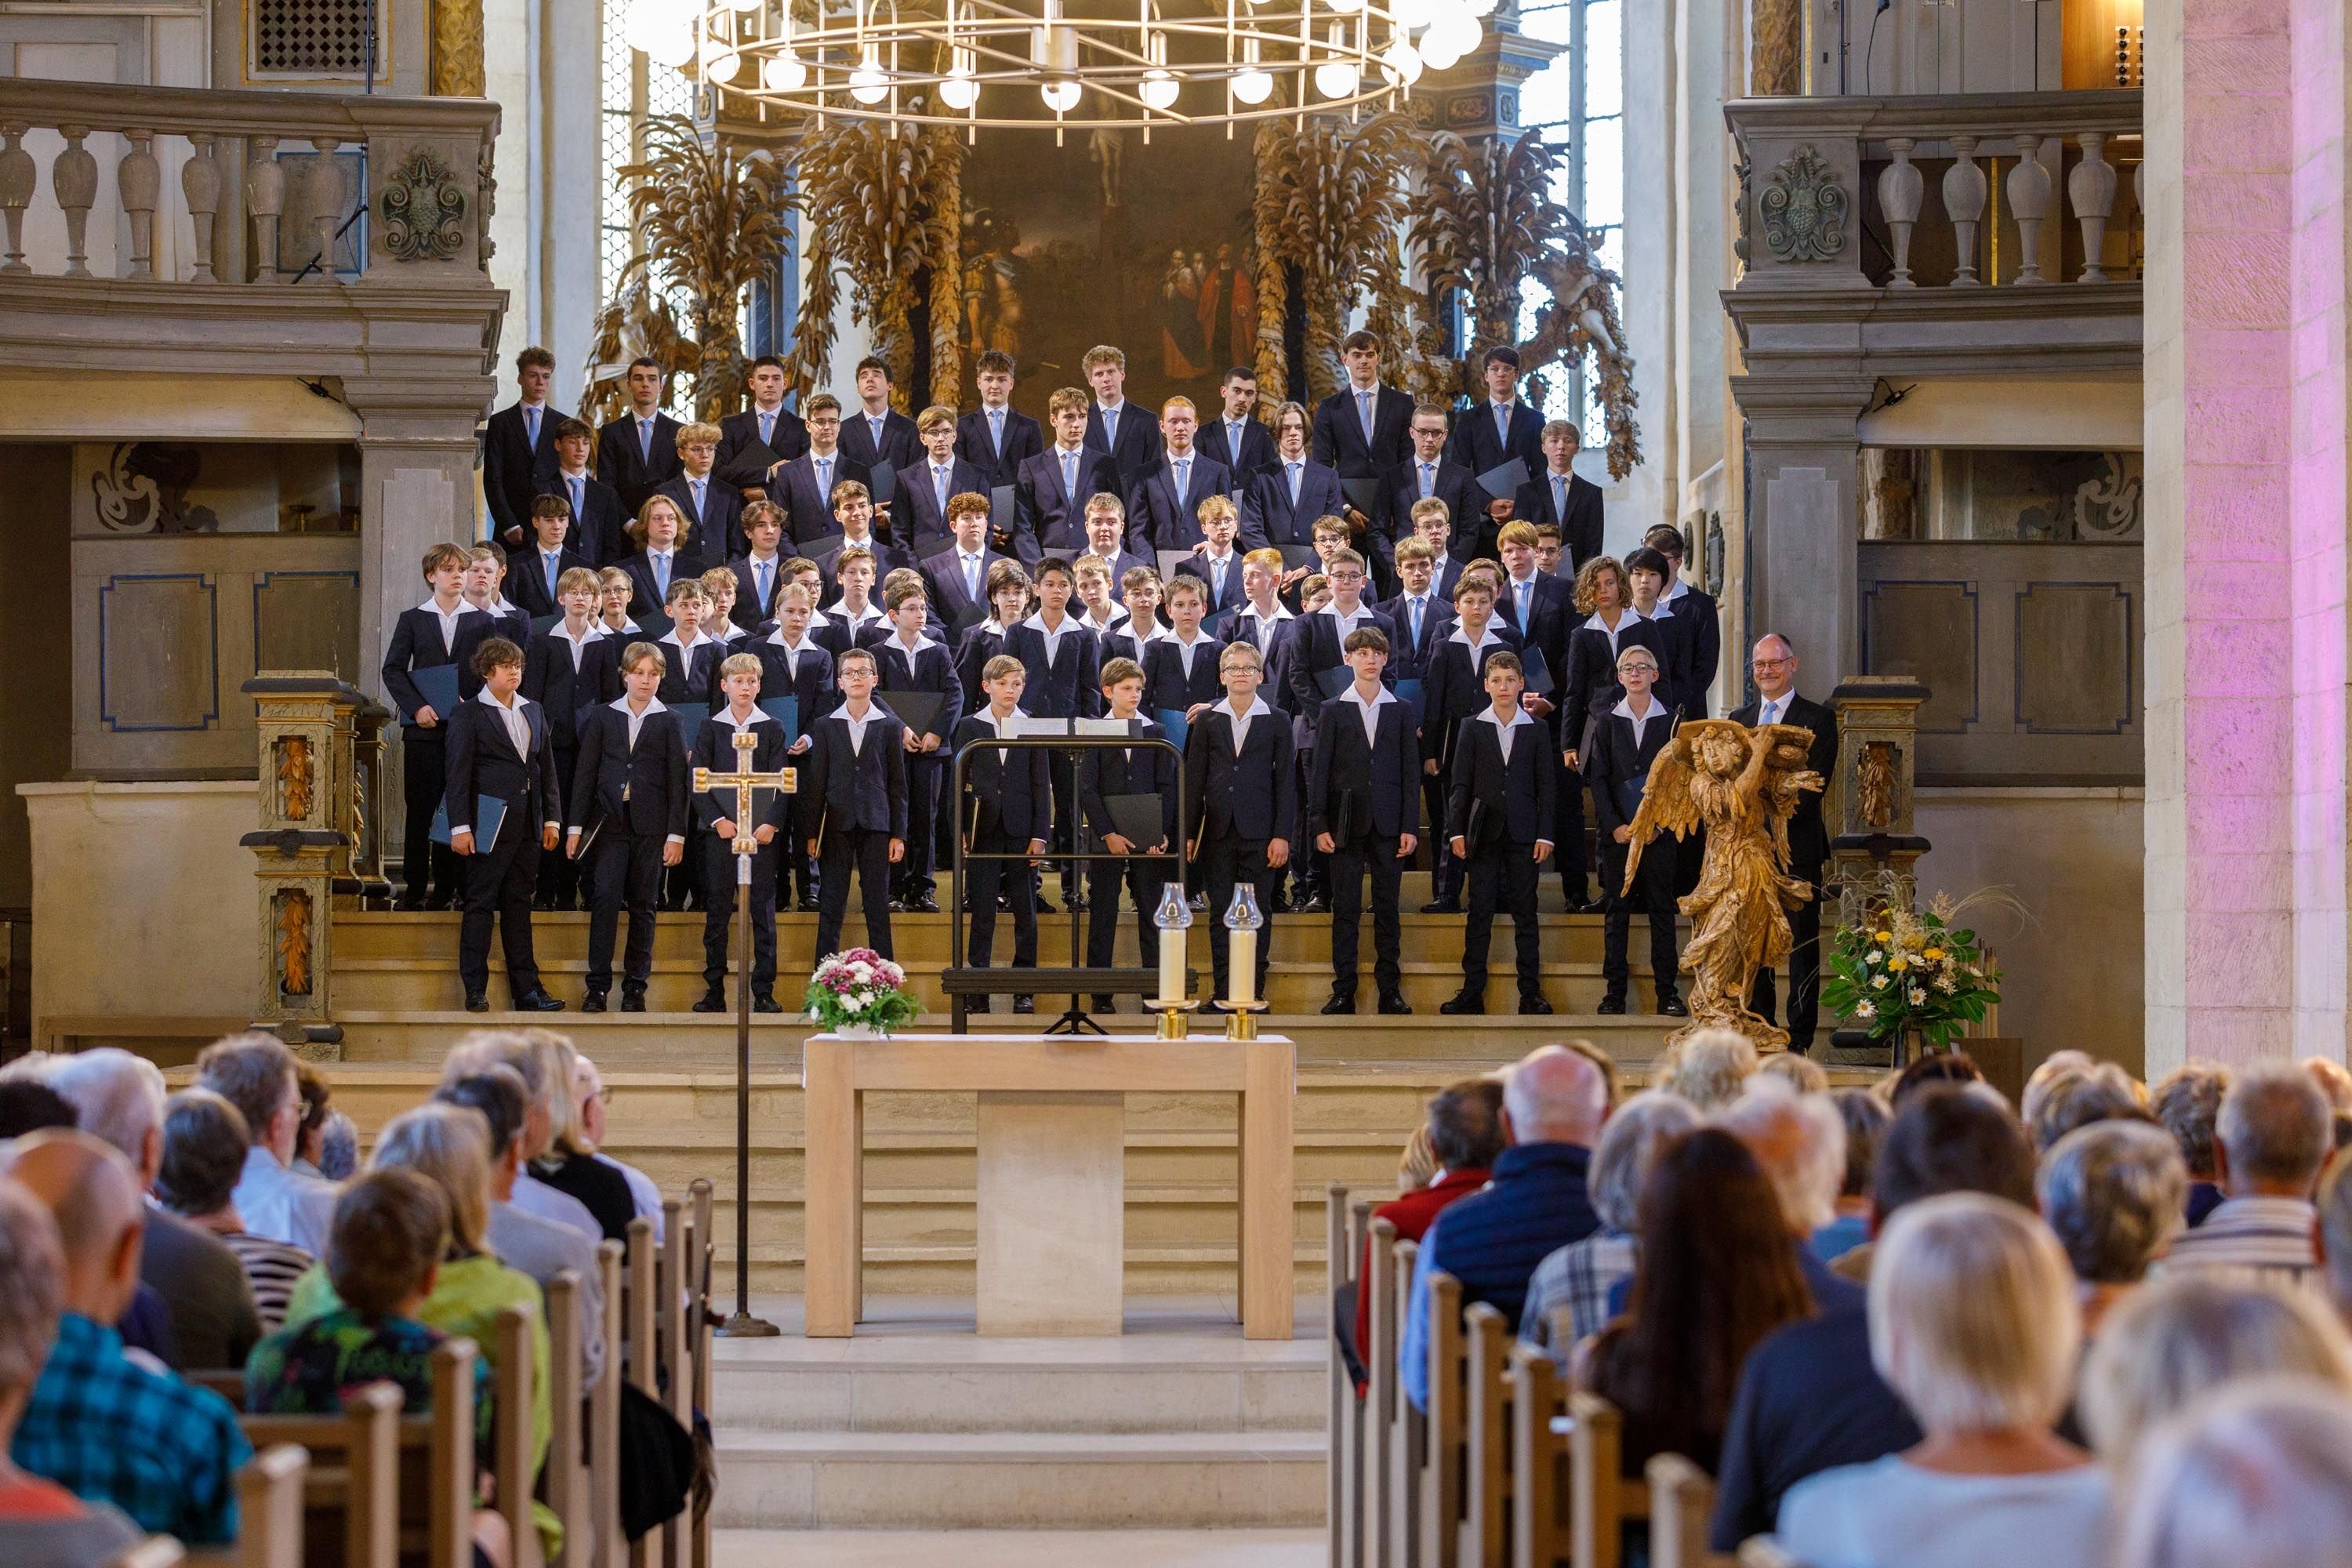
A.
pixel 860 992
pixel 1901 971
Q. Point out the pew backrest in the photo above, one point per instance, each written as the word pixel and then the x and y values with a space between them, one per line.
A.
pixel 1443 1483
pixel 566 1484
pixel 1600 1499
pixel 1487 1460
pixel 1537 1460
pixel 1681 1500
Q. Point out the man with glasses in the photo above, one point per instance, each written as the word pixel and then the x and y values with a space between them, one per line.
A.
pixel 1774 665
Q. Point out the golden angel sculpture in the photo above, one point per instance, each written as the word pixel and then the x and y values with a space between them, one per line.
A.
pixel 1741 786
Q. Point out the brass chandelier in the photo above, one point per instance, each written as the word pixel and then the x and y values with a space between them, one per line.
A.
pixel 1032 63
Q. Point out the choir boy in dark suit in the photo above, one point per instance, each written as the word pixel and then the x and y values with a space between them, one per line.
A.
pixel 1428 474
pixel 1285 499
pixel 1499 818
pixel 1236 438
pixel 485 577
pixel 738 683
pixel 540 568
pixel 1241 793
pixel 760 574
pixel 805 487
pixel 926 485
pixel 1645 579
pixel 569 669
pixel 853 612
pixel 853 805
pixel 1432 523
pixel 1360 429
pixel 599 526
pixel 1139 592
pixel 1773 664
pixel 1422 621
pixel 874 434
pixel 1499 427
pixel 1008 597
pixel 1215 561
pixel 1180 667
pixel 692 652
pixel 1363 811
pixel 1625 742
pixel 959 574
pixel 1009 814
pixel 1541 609
pixel 1128 434
pixel 661 559
pixel 519 449
pixel 718 594
pixel 861 529
pixel 1263 620
pixel 909 661
pixel 791 664
pixel 1555 494
pixel 1688 604
pixel 1104 772
pixel 762 438
pixel 1318 646
pixel 636 450
pixel 628 819
pixel 996 438
pixel 1453 688
pixel 1107 542
pixel 709 505
pixel 615 588
pixel 434 635
pixel 1055 485
pixel 1064 662
pixel 1547 549
pixel 498 748
pixel 1162 506
pixel 1609 626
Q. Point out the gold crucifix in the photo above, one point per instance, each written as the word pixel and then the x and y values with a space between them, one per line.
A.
pixel 743 781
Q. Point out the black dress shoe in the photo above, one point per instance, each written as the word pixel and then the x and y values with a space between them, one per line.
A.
pixel 594 1003
pixel 1393 1003
pixel 1672 1005
pixel 808 906
pixel 1045 905
pixel 1199 900
pixel 409 907
pixel 537 1002
pixel 1212 1010
pixel 924 904
pixel 1075 901
pixel 476 1001
pixel 1462 1002
pixel 1530 1002
pixel 1341 1002
pixel 1442 907
pixel 1024 1004
pixel 1612 1004
pixel 1105 1003
pixel 712 1002
pixel 1316 904
pixel 632 1001
pixel 898 906
pixel 441 902
pixel 763 1002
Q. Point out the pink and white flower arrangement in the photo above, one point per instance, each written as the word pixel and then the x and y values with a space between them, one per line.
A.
pixel 859 988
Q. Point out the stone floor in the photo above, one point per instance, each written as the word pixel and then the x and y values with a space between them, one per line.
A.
pixel 1020 1548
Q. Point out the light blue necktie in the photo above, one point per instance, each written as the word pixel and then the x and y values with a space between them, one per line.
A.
pixel 767 426
pixel 1503 425
pixel 1293 484
pixel 1428 481
pixel 759 570
pixel 996 430
pixel 1558 498
pixel 940 488
pixel 1233 429
pixel 1110 429
pixel 646 440
pixel 579 501
pixel 1070 477
pixel 1364 412
pixel 1416 623
pixel 877 421
pixel 971 578
pixel 661 576
pixel 530 423
pixel 1523 590
pixel 1217 584
pixel 1183 480
pixel 552 561
pixel 697 486
pixel 824 480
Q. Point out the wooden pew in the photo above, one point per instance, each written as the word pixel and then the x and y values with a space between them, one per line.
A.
pixel 269 1508
pixel 700 1195
pixel 1539 1458
pixel 677 1377
pixel 511 1433
pixel 1600 1499
pixel 1347 1532
pixel 1681 1500
pixel 564 1483
pixel 603 1549
pixel 637 1334
pixel 1408 1436
pixel 1340 1480
pixel 1488 1476
pixel 1443 1429
pixel 1379 1391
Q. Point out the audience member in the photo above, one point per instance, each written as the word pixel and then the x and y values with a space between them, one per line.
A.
pixel 2257 1477
pixel 2334 1082
pixel 1715 1274
pixel 483 1048
pixel 1554 1102
pixel 2334 1205
pixel 205 1145
pixel 1417 1161
pixel 28 1105
pixel 2272 1135
pixel 2179 1340
pixel 1810 1398
pixel 2078 1097
pixel 595 1102
pixel 539 1248
pixel 117 1099
pixel 338 1148
pixel 2187 1102
pixel 2112 1193
pixel 1800 1072
pixel 2056 1065
pixel 44 1524
pixel 1973 1322
pixel 569 1162
pixel 1866 1117
pixel 1582 1275
pixel 255 1072
pixel 102 1422
pixel 1709 1067
pixel 1954 1067
pixel 310 1136
pixel 1798 1142
pixel 391 1230
pixel 1465 1131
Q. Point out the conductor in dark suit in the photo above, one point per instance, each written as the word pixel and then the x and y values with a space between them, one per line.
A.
pixel 637 449
pixel 874 434
pixel 1557 495
pixel 1625 740
pixel 1363 810
pixel 1361 430
pixel 1116 424
pixel 1774 664
pixel 499 748
pixel 996 438
pixel 754 443
pixel 519 449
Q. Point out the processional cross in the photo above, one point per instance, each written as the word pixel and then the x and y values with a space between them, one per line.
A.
pixel 743 781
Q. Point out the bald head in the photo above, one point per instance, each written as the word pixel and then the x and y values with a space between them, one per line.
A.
pixel 91 1192
pixel 1554 1095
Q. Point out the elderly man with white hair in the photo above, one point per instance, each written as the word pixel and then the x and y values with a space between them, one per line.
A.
pixel 2274 1133
pixel 1584 1276
pixel 1798 1142
pixel 1554 1103
pixel 117 1099
pixel 255 1073
pixel 593 1098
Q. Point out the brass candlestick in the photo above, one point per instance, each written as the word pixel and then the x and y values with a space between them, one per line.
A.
pixel 1173 1023
pixel 1241 1019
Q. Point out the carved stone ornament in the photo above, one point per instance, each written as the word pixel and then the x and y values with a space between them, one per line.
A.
pixel 424 210
pixel 294 941
pixel 1804 209
pixel 294 777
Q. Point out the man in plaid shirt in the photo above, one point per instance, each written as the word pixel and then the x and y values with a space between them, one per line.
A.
pixel 107 1425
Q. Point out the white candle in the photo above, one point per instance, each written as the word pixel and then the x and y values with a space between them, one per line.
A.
pixel 1171 965
pixel 1243 967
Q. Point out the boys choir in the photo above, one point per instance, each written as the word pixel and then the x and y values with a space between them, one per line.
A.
pixel 855 593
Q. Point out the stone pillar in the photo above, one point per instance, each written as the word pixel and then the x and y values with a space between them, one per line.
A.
pixel 1804 472
pixel 2246 436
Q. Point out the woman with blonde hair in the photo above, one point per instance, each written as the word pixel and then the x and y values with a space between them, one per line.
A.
pixel 569 1163
pixel 1709 1067
pixel 2258 1476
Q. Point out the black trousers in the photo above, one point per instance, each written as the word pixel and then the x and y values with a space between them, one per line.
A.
pixel 622 867
pixel 982 879
pixel 1375 853
pixel 1143 880
pixel 1568 833
pixel 423 779
pixel 1313 867
pixel 1652 894
pixel 1445 870
pixel 559 874
pixel 1066 817
pixel 1503 875
pixel 719 896
pixel 1230 858
pixel 1804 968
pixel 912 874
pixel 866 850
pixel 499 886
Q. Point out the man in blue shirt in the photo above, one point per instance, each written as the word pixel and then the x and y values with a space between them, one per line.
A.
pixel 107 1427
pixel 1553 1105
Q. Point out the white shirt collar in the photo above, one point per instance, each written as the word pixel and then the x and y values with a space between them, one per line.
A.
pixel 725 714
pixel 817 619
pixel 777 637
pixel 1011 723
pixel 1624 710
pixel 1462 635
pixel 1519 717
pixel 1382 694
pixel 1281 611
pixel 653 705
pixel 1258 708
pixel 1362 611
pixel 1593 623
pixel 435 609
pixel 1673 593
pixel 517 706
pixel 1037 623
pixel 671 637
